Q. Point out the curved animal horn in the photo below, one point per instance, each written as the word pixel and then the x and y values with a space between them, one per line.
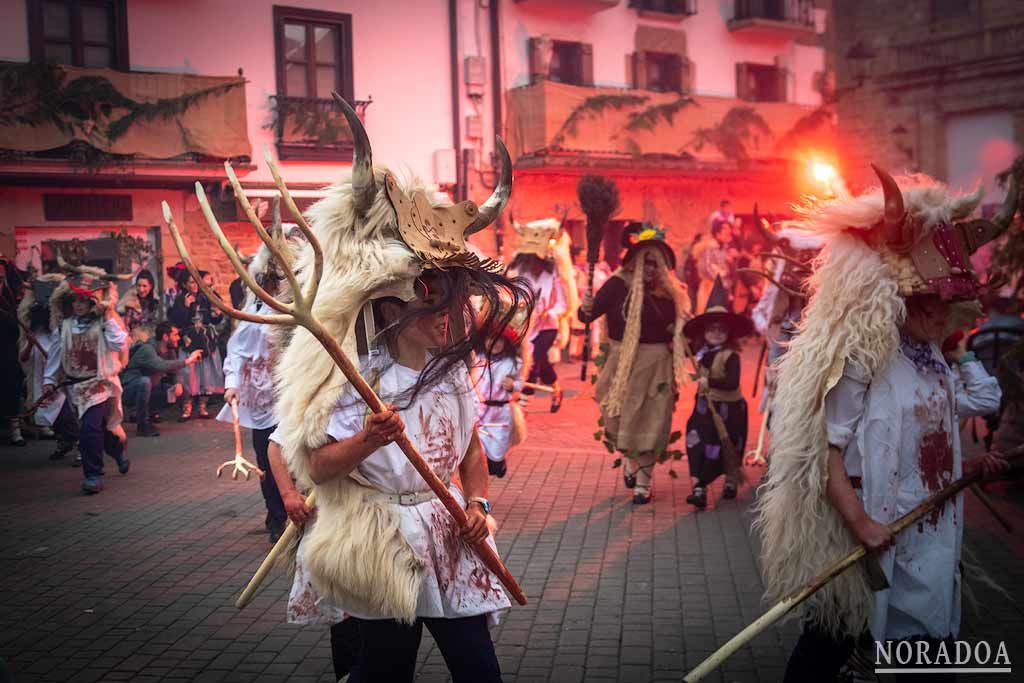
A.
pixel 65 266
pixel 364 187
pixel 895 213
pixel 490 209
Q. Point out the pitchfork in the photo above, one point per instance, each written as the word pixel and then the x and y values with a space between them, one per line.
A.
pixel 300 312
pixel 239 465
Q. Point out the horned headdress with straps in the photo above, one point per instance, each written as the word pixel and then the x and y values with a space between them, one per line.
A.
pixel 906 238
pixel 370 237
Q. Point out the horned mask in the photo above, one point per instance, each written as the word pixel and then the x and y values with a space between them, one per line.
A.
pixel 935 260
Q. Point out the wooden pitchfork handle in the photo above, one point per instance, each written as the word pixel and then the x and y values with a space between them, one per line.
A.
pixel 585 356
pixel 933 502
pixel 300 312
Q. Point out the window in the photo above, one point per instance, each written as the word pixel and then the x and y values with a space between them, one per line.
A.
pixel 682 7
pixel 89 33
pixel 664 72
pixel 561 61
pixel 314 58
pixel 566 63
pixel 314 53
pixel 661 72
pixel 760 83
pixel 951 9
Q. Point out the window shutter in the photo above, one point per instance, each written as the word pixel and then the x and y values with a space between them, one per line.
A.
pixel 640 70
pixel 539 59
pixel 586 64
pixel 780 85
pixel 742 81
pixel 686 75
pixel 676 64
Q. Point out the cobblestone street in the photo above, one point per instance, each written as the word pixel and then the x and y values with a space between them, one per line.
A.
pixel 138 583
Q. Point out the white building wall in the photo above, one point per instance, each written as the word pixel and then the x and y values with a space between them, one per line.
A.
pixel 611 31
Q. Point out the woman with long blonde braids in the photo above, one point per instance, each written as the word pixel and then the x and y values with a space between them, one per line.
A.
pixel 643 371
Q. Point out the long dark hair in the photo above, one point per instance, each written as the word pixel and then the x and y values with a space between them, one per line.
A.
pixel 471 329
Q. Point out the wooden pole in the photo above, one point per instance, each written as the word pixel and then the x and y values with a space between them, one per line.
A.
pixel 933 502
pixel 286 539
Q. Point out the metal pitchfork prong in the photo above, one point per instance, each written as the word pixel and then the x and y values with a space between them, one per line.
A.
pixel 300 312
pixel 239 465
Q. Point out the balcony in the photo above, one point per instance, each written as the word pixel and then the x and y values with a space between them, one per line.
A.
pixel 60 117
pixel 312 129
pixel 793 19
pixel 552 124
pixel 665 10
pixel 586 5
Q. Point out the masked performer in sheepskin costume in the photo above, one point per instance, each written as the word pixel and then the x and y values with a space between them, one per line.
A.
pixel 382 549
pixel 86 353
pixel 249 369
pixel 643 371
pixel 865 419
pixel 543 258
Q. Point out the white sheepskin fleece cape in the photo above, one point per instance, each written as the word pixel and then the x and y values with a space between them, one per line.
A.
pixel 354 551
pixel 854 313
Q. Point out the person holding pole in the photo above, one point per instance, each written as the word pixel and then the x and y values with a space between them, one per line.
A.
pixel 865 425
pixel 641 375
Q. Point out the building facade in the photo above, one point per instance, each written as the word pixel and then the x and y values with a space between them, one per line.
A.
pixel 931 86
pixel 681 102
pixel 267 71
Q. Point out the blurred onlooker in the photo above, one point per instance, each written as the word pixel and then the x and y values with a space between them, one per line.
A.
pixel 10 370
pixel 149 362
pixel 716 260
pixel 722 213
pixel 140 309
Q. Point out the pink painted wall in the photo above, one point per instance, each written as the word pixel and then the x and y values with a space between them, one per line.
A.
pixel 612 31
pixel 400 55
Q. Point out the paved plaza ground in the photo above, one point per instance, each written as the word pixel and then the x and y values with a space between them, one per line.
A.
pixel 138 583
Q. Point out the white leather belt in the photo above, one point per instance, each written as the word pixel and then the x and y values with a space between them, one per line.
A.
pixel 413 498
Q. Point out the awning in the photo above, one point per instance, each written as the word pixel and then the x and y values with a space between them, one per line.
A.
pixel 149 115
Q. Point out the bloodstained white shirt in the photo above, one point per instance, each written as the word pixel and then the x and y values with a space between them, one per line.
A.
pixel 899 432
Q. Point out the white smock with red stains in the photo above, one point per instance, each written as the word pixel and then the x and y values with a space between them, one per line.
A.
pixel 440 423
pixel 899 432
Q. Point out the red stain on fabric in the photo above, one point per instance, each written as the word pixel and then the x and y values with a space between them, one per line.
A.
pixel 935 460
pixel 82 354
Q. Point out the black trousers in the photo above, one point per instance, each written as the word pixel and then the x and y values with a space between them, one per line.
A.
pixel 276 516
pixel 344 646
pixel 542 368
pixel 388 649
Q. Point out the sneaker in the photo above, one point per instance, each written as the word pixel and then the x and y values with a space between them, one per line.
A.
pixel 124 464
pixel 185 417
pixel 147 430
pixel 63 448
pixel 92 485
pixel 46 433
pixel 155 418
pixel 729 490
pixel 699 498
pixel 629 479
pixel 497 468
pixel 640 498
pixel 77 462
pixel 17 439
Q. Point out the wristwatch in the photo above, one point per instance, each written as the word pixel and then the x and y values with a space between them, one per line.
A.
pixel 484 503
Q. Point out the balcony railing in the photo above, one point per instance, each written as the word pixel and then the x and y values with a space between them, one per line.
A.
pixel 311 128
pixel 790 16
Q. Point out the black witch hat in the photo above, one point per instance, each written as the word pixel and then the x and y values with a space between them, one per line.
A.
pixel 719 310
